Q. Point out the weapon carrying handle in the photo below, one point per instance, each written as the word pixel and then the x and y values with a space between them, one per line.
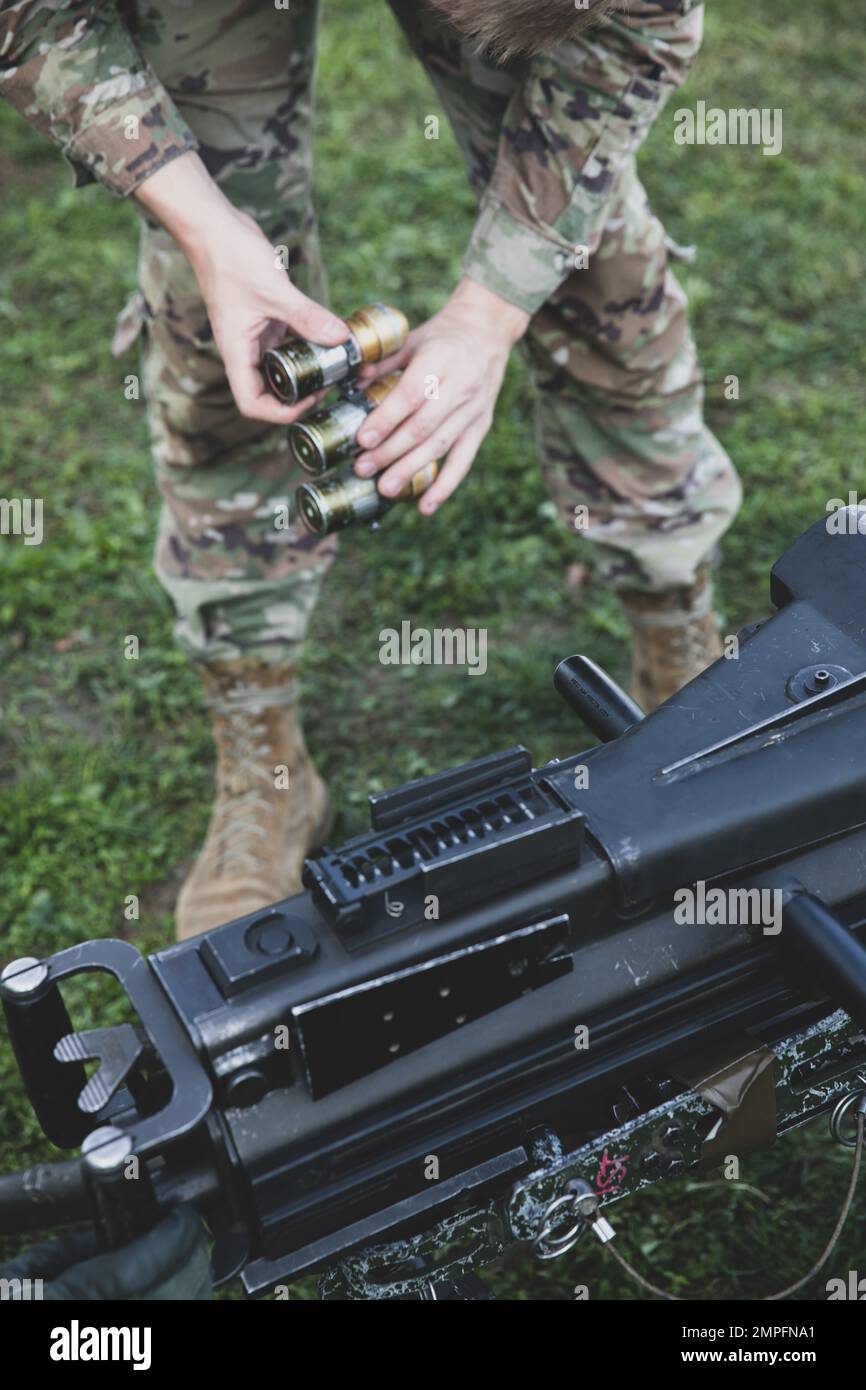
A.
pixel 191 1092
pixel 36 1018
pixel 823 949
pixel 49 1194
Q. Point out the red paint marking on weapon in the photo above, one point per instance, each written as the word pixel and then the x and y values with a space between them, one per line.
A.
pixel 611 1174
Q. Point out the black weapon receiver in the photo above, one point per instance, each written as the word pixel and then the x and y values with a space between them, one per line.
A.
pixel 393 1051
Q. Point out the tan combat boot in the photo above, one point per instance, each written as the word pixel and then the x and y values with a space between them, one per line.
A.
pixel 260 829
pixel 675 637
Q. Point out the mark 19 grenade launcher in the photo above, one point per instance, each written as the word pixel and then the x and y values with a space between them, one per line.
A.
pixel 292 1072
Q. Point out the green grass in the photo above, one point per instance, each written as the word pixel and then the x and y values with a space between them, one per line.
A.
pixel 106 763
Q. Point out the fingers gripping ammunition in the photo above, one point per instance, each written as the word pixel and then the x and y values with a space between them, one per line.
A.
pixel 339 499
pixel 328 437
pixel 299 368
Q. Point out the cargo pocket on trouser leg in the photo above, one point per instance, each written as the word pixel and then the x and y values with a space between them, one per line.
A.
pixel 128 325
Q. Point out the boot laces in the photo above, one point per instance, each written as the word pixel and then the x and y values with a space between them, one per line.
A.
pixel 689 643
pixel 245 815
pixel 682 625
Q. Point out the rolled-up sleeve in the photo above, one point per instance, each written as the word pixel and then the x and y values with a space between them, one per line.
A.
pixel 74 72
pixel 577 117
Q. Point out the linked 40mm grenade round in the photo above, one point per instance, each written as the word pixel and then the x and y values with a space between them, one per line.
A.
pixel 298 368
pixel 339 499
pixel 328 437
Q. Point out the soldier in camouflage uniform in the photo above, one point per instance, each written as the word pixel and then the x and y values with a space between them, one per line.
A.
pixel 564 239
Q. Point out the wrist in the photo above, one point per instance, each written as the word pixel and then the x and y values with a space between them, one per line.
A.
pixel 506 320
pixel 184 198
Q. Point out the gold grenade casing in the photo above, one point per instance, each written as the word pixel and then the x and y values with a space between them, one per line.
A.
pixel 340 499
pixel 328 437
pixel 298 368
pixel 379 330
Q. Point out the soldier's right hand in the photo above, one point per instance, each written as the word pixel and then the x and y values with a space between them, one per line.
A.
pixel 251 302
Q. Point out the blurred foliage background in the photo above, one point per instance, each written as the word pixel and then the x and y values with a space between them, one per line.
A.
pixel 106 763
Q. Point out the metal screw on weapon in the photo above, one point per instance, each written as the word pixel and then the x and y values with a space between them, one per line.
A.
pixel 105 1150
pixel 659 1165
pixel 24 976
pixel 667 1161
pixel 815 680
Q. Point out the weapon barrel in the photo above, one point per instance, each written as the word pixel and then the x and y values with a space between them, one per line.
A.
pixel 49 1194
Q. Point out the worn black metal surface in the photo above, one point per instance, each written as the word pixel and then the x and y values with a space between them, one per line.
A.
pixel 451 841
pixel 320 1133
pixel 395 1014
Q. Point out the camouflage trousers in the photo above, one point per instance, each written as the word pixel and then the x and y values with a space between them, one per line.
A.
pixel 617 386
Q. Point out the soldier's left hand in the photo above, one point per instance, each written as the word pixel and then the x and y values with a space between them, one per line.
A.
pixel 442 408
